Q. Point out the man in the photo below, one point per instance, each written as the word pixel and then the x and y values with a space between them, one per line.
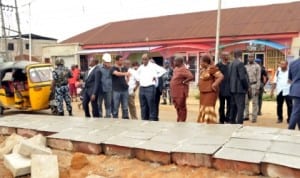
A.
pixel 224 94
pixel 106 87
pixel 238 85
pixel 166 83
pixel 120 88
pixel 60 83
pixel 133 85
pixel 294 78
pixel 180 88
pixel 254 74
pixel 263 80
pixel 282 86
pixel 91 89
pixel 147 75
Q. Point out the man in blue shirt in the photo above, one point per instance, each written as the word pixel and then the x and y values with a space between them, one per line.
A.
pixel 106 88
pixel 294 78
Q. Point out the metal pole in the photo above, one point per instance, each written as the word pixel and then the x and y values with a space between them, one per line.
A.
pixel 218 33
pixel 3 31
pixel 19 30
pixel 30 42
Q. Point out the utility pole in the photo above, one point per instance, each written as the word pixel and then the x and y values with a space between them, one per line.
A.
pixel 19 30
pixel 3 31
pixel 218 32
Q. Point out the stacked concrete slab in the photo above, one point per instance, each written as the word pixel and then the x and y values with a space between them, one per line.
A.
pixel 248 150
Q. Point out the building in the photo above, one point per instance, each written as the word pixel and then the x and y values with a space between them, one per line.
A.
pixel 272 32
pixel 13 47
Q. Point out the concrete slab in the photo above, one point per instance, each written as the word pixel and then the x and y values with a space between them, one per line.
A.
pixel 254 136
pixel 17 164
pixel 248 144
pixel 285 148
pixel 175 139
pixel 45 166
pixel 28 149
pixel 282 159
pixel 123 141
pixel 235 154
pixel 261 130
pixel 201 149
pixel 288 138
pixel 139 134
pixel 157 146
pixel 207 140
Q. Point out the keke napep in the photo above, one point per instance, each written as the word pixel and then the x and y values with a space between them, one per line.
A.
pixel 25 85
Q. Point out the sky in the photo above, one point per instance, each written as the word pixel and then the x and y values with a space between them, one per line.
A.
pixel 62 19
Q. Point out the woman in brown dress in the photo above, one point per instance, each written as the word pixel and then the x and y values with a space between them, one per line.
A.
pixel 209 81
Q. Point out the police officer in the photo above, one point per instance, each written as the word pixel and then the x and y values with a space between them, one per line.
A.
pixel 254 75
pixel 61 74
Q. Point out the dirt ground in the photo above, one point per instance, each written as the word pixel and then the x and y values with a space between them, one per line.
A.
pixel 114 166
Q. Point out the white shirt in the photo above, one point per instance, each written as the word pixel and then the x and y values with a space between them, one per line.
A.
pixel 132 80
pixel 281 79
pixel 148 75
pixel 91 69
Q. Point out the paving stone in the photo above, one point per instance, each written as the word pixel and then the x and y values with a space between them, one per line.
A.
pixel 9 143
pixel 282 159
pixel 26 132
pixel 45 166
pixel 124 141
pixel 249 156
pixel 88 148
pixel 7 130
pixel 127 152
pixel 261 130
pixel 200 149
pixel 27 149
pixel 138 135
pixel 192 159
pixel 17 164
pixel 60 144
pixel 153 156
pixel 169 139
pixel 157 146
pixel 237 166
pixel 248 144
pixel 207 140
pixel 288 138
pixel 272 170
pixel 285 148
pixel 254 135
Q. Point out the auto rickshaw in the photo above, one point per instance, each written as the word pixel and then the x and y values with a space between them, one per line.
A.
pixel 25 86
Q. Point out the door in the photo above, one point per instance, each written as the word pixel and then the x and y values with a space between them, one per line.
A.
pixel 260 56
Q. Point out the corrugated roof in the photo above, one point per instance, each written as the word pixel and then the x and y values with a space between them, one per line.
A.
pixel 259 20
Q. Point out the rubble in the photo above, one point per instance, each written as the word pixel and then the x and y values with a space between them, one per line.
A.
pixel 45 166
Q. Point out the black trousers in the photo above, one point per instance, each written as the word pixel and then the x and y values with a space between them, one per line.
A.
pixel 224 100
pixel 289 104
pixel 85 104
pixel 237 107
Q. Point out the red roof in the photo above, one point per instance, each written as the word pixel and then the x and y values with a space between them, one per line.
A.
pixel 259 20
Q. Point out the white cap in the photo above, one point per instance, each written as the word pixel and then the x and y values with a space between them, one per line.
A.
pixel 106 57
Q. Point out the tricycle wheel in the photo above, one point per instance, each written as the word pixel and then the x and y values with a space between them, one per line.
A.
pixel 1 110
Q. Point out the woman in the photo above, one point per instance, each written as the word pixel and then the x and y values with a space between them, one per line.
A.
pixel 209 81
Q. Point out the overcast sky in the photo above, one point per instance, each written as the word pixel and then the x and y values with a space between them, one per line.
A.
pixel 62 19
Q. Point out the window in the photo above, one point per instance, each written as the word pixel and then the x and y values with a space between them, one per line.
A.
pixel 10 46
pixel 40 74
pixel 27 46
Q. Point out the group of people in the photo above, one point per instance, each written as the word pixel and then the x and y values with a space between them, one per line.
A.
pixel 234 83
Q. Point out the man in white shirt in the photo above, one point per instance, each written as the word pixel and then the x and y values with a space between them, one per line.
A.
pixel 147 75
pixel 282 86
pixel 133 85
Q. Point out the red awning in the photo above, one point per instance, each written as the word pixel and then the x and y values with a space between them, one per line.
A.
pixel 183 47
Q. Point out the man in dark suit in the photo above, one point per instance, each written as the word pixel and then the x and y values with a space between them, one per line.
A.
pixel 294 78
pixel 91 89
pixel 238 85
